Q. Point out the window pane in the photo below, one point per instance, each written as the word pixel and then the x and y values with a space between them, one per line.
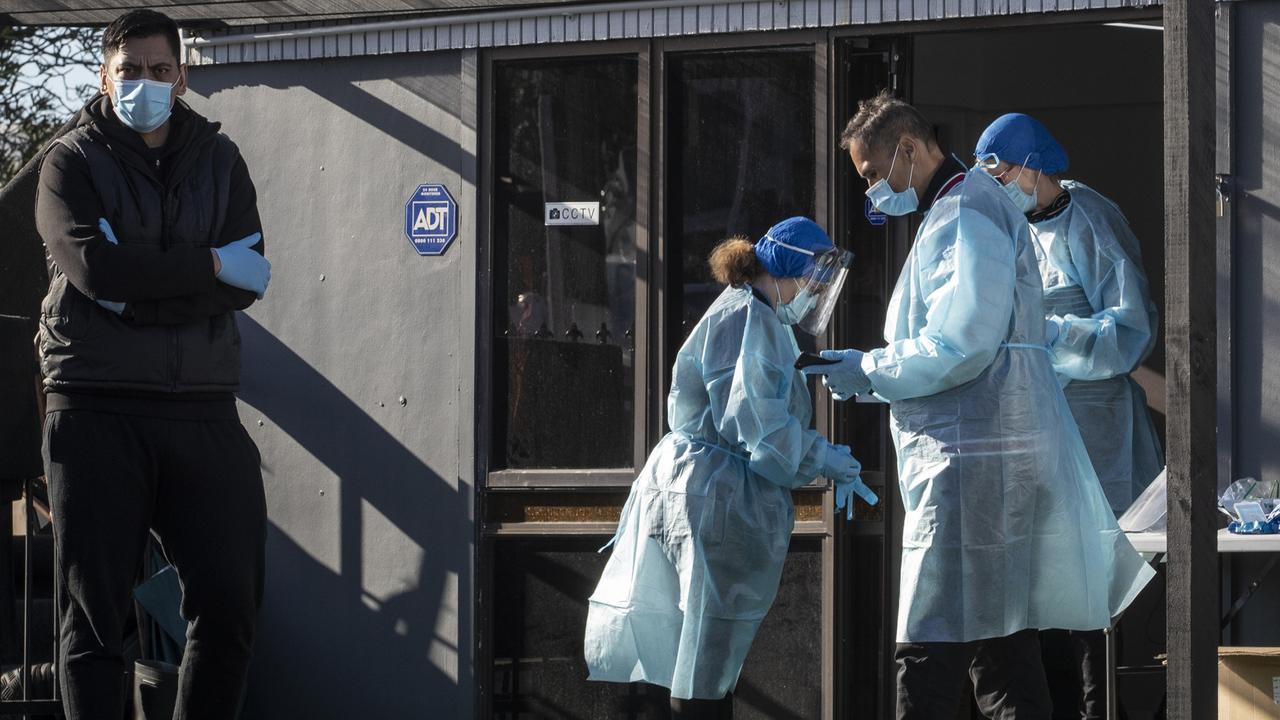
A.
pixel 538 670
pixel 565 132
pixel 542 588
pixel 741 157
pixel 782 678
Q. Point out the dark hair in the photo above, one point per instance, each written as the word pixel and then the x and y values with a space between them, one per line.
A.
pixel 882 120
pixel 734 261
pixel 138 24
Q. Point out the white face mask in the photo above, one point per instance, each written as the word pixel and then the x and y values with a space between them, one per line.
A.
pixel 1023 200
pixel 791 313
pixel 142 105
pixel 889 201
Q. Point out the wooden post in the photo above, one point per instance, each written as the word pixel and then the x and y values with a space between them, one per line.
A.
pixel 1190 317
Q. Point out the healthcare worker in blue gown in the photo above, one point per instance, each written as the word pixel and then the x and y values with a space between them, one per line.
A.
pixel 1006 529
pixel 1100 324
pixel 698 554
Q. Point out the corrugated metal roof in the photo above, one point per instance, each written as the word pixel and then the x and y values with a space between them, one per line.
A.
pixel 600 21
pixel 235 12
pixel 327 28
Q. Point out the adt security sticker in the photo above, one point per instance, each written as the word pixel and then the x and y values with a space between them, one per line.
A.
pixel 431 219
pixel 874 216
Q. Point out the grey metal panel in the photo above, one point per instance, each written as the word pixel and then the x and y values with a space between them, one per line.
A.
pixel 645 22
pixel 555 25
pixel 1255 281
pixel 764 15
pixel 241 12
pixel 719 18
pixel 370 505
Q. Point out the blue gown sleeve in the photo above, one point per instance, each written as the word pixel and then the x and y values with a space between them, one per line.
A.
pixel 1108 265
pixel 757 412
pixel 962 268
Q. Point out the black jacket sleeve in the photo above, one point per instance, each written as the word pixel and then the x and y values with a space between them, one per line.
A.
pixel 67 214
pixel 242 221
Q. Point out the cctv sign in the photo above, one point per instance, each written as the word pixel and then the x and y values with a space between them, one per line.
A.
pixel 573 213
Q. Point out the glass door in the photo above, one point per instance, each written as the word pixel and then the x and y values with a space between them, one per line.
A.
pixel 740 149
pixel 869 548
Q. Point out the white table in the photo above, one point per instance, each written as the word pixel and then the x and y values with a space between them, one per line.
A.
pixel 1156 544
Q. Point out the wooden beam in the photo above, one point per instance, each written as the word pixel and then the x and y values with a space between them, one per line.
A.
pixel 1190 317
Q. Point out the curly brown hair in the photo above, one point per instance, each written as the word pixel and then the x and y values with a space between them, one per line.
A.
pixel 734 261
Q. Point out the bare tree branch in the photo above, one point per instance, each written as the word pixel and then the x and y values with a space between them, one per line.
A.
pixel 36 93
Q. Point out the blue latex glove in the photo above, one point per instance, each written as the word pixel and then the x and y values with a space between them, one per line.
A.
pixel 244 268
pixel 842 469
pixel 851 487
pixel 839 463
pixel 845 378
pixel 105 227
pixel 1051 332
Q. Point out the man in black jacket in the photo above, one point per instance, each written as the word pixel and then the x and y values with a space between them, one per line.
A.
pixel 151 223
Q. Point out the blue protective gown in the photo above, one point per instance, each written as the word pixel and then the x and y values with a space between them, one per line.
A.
pixel 702 538
pixel 1096 292
pixel 1006 527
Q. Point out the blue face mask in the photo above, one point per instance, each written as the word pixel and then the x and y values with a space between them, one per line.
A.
pixel 887 200
pixel 1023 200
pixel 143 105
pixel 791 313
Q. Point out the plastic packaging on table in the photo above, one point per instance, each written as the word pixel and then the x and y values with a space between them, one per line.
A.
pixel 1252 506
pixel 1150 512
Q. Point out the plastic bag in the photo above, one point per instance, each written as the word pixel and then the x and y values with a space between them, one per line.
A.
pixel 1252 506
pixel 1150 512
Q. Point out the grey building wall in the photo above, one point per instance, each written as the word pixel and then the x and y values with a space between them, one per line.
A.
pixel 370 579
pixel 1255 274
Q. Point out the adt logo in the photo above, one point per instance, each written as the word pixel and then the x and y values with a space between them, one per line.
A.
pixel 431 219
pixel 874 216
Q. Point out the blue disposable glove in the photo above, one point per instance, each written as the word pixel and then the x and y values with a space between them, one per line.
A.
pixel 845 378
pixel 838 463
pixel 244 268
pixel 1051 331
pixel 105 227
pixel 842 469
pixel 852 486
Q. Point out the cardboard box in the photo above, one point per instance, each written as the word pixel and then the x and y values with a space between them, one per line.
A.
pixel 1248 683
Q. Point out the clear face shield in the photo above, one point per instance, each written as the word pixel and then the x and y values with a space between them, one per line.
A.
pixel 820 288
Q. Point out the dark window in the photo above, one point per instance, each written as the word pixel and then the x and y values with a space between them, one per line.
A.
pixel 541 589
pixel 564 132
pixel 740 158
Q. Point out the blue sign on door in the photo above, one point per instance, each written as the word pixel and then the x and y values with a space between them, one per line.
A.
pixel 874 216
pixel 431 219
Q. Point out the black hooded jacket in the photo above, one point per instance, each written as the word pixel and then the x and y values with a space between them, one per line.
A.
pixel 177 337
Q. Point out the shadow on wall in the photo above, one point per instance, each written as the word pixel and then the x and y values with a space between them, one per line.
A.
pixel 356 651
pixel 339 83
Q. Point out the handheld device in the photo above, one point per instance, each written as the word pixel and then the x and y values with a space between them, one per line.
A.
pixel 808 359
